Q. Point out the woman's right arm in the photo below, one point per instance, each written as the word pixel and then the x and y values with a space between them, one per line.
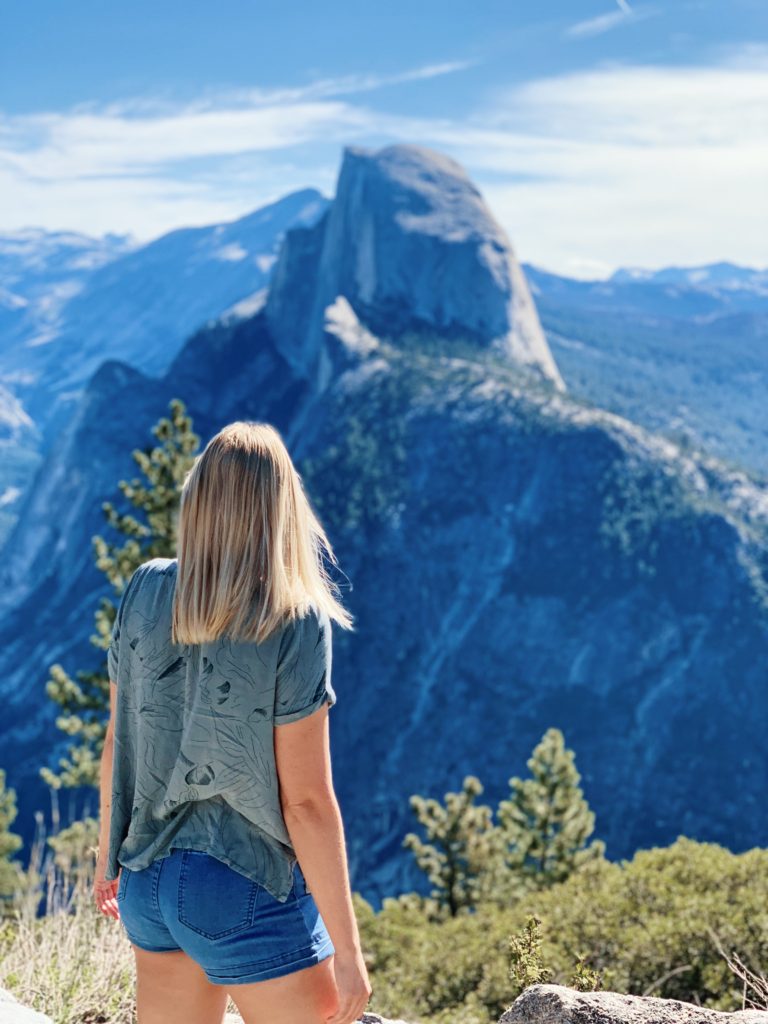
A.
pixel 313 821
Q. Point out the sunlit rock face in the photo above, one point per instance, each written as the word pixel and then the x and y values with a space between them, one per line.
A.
pixel 411 245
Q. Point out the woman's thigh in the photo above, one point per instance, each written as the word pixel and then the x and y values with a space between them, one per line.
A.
pixel 308 996
pixel 172 989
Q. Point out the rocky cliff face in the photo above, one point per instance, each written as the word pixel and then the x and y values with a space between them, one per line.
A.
pixel 518 559
pixel 68 304
pixel 139 306
pixel 409 243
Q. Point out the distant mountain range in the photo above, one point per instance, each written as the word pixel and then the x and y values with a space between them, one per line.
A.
pixel 727 281
pixel 68 303
pixel 515 555
pixel 683 352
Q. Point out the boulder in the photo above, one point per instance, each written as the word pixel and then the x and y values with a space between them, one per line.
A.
pixel 374 1018
pixel 556 1004
pixel 14 1012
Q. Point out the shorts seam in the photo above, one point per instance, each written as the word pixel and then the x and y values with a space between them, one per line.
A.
pixel 307 953
pixel 155 949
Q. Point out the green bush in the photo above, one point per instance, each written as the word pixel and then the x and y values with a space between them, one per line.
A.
pixel 646 926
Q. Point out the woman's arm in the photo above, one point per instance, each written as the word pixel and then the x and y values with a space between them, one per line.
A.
pixel 313 820
pixel 104 892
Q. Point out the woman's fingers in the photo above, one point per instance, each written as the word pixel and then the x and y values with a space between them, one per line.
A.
pixel 350 1009
pixel 105 897
pixel 345 1014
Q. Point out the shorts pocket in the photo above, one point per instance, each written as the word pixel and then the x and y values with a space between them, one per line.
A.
pixel 214 899
pixel 122 882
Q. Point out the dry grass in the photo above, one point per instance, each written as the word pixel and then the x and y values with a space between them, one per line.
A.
pixel 754 983
pixel 59 954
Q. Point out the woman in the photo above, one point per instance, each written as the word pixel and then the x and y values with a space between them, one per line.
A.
pixel 222 849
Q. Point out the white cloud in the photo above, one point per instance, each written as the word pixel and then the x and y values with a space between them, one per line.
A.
pixel 596 26
pixel 145 165
pixel 347 85
pixel 625 15
pixel 79 145
pixel 641 165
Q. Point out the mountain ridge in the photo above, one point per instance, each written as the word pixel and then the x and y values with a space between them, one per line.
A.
pixel 515 558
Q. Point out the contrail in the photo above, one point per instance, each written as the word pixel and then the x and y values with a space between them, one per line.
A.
pixel 624 6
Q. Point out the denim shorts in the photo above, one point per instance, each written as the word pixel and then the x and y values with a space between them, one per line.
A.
pixel 232 926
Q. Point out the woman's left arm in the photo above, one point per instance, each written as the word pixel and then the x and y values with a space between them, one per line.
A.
pixel 104 891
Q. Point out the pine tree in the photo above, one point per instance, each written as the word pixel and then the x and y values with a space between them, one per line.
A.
pixel 526 963
pixel 10 872
pixel 546 822
pixel 461 847
pixel 149 533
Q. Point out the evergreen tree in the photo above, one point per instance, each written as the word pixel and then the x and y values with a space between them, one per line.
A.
pixel 460 847
pixel 546 822
pixel 150 532
pixel 526 965
pixel 10 872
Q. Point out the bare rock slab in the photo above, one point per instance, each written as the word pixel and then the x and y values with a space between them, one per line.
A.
pixel 367 1018
pixel 14 1012
pixel 556 1004
pixel 374 1018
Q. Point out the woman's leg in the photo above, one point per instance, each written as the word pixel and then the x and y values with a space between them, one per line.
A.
pixel 308 996
pixel 172 989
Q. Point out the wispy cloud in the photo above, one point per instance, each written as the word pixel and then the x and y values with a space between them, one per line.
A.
pixel 635 164
pixel 620 164
pixel 147 133
pixel 58 147
pixel 611 19
pixel 324 88
pixel 350 85
pixel 146 164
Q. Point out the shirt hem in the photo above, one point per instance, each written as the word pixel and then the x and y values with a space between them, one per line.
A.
pixel 280 895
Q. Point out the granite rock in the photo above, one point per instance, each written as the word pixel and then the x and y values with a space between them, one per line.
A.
pixel 555 1004
pixel 14 1012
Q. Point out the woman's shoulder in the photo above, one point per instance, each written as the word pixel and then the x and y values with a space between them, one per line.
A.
pixel 162 566
pixel 152 568
pixel 310 618
pixel 308 630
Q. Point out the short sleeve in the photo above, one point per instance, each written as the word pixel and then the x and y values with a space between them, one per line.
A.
pixel 304 669
pixel 113 651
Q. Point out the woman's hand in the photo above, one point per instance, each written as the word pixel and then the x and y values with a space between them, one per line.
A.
pixel 105 892
pixel 353 986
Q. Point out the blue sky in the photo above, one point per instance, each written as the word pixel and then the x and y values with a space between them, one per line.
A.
pixel 603 133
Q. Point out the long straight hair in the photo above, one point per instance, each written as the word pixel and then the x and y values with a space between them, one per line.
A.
pixel 250 547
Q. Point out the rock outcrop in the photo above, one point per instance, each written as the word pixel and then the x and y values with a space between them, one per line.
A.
pixel 374 1018
pixel 14 1012
pixel 410 244
pixel 555 1004
pixel 539 1004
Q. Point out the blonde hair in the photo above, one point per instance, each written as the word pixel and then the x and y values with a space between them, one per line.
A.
pixel 250 548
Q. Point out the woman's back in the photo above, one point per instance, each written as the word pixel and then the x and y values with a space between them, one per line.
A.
pixel 194 763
